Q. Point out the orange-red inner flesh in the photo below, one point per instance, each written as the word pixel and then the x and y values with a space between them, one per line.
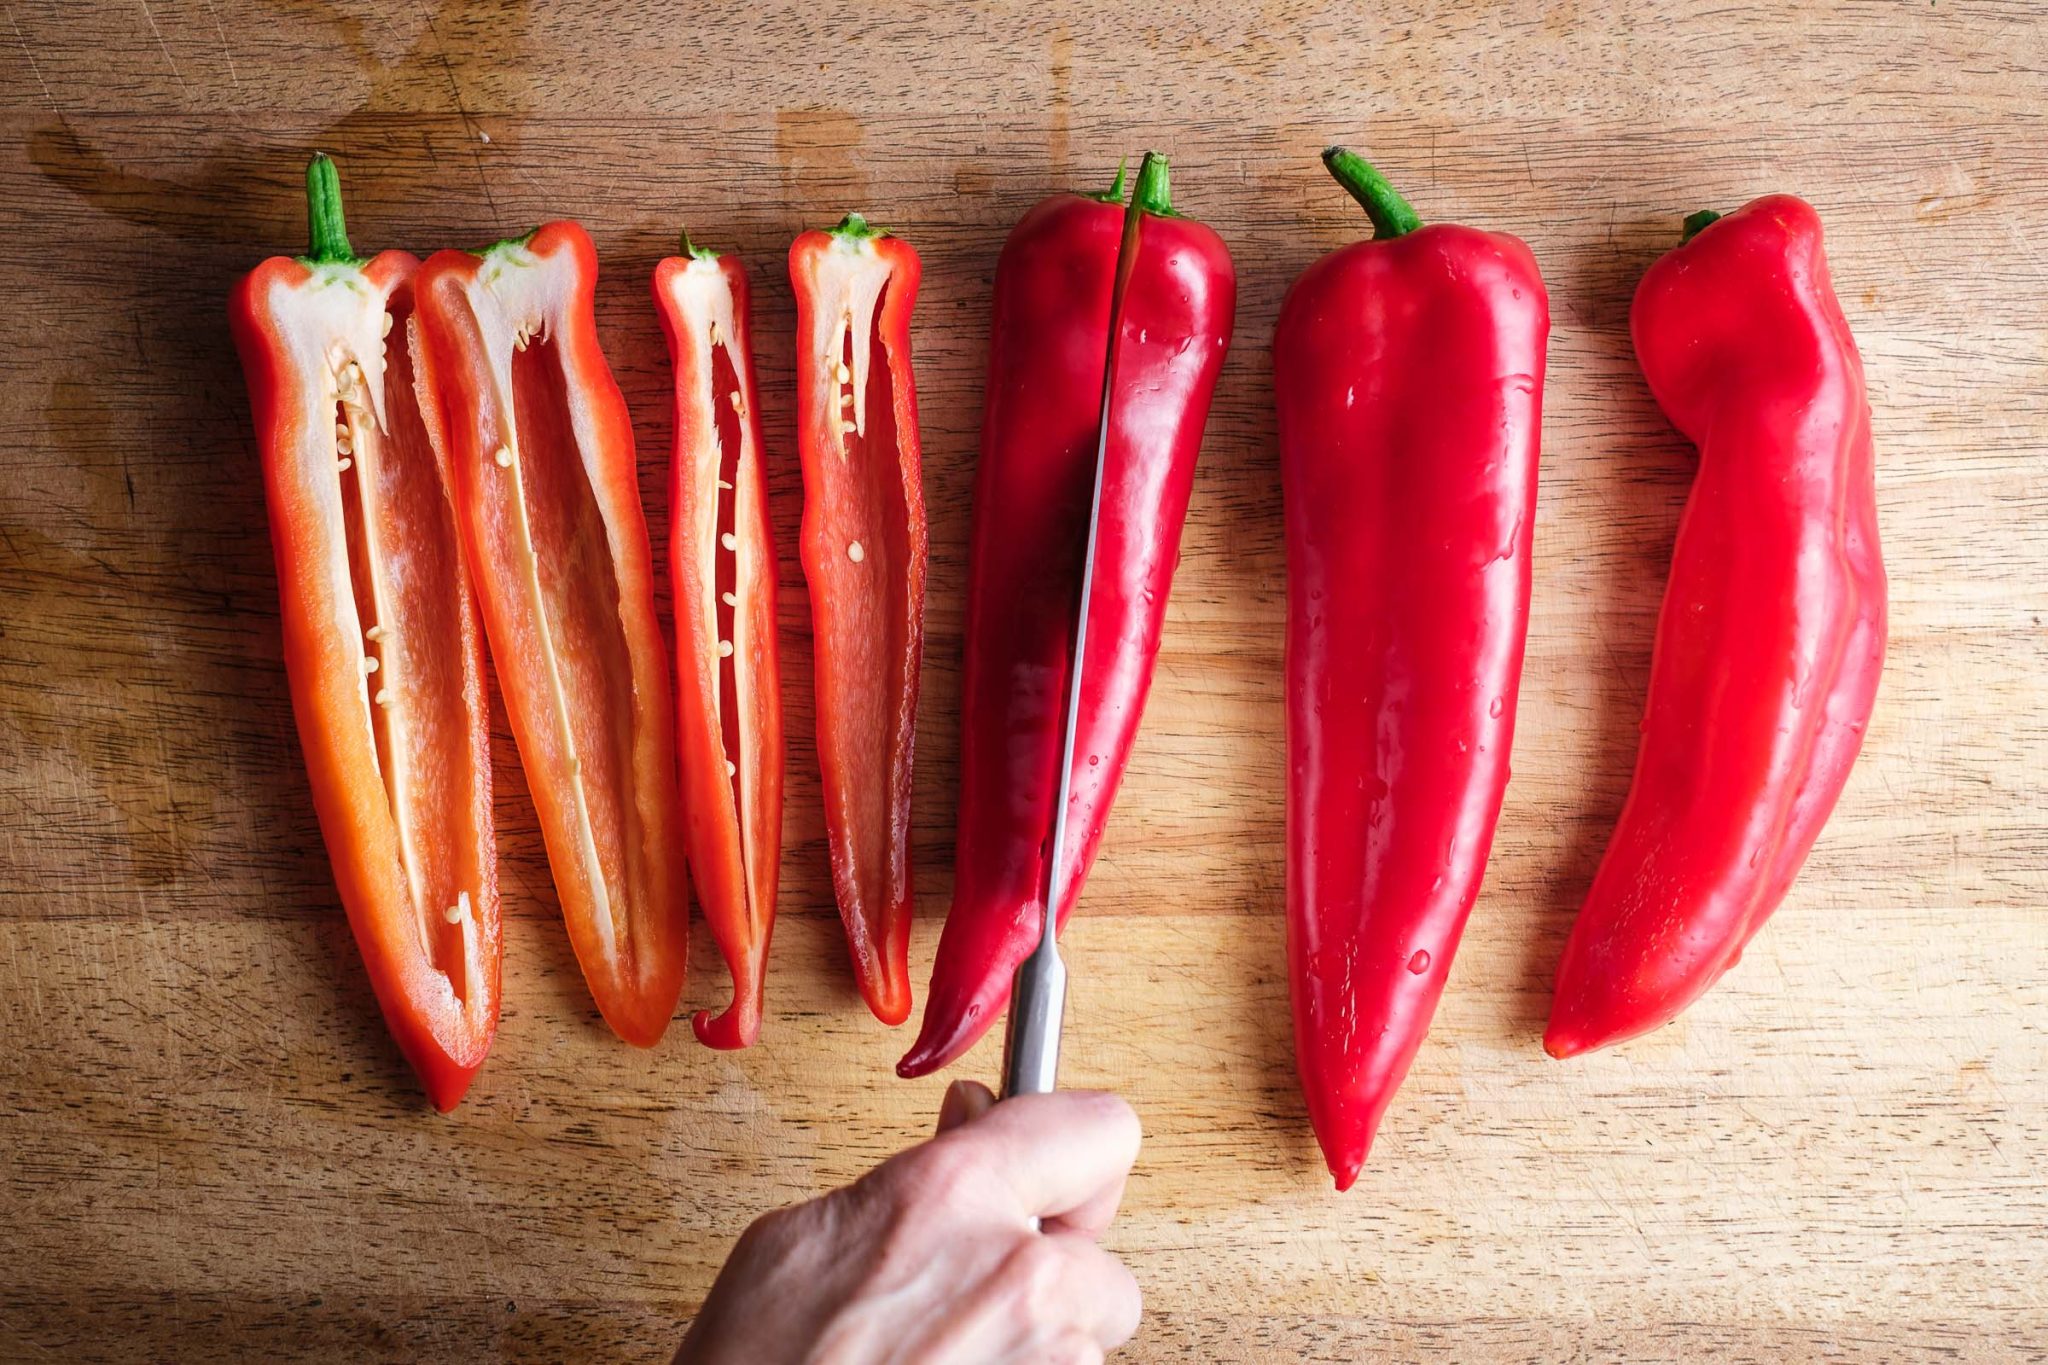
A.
pixel 362 462
pixel 580 598
pixel 872 640
pixel 424 736
pixel 725 385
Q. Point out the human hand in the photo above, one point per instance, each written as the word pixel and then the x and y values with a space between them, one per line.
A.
pixel 977 1247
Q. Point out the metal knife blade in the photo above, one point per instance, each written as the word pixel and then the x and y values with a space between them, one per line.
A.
pixel 1038 992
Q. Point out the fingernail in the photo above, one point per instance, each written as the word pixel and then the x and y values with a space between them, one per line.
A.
pixel 953 1110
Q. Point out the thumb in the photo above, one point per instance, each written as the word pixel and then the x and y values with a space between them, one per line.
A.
pixel 964 1102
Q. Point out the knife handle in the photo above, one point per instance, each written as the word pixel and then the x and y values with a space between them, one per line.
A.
pixel 1031 1043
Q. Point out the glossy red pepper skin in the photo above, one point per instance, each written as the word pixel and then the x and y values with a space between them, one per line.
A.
pixel 864 550
pixel 525 415
pixel 381 642
pixel 722 565
pixel 1049 341
pixel 1772 633
pixel 1408 374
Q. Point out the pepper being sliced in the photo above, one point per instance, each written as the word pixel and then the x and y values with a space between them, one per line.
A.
pixel 722 564
pixel 524 412
pixel 1048 345
pixel 381 643
pixel 864 547
pixel 1408 374
pixel 1772 633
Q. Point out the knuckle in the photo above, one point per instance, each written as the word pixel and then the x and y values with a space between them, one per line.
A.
pixel 903 1241
pixel 901 1225
pixel 1031 1276
pixel 944 1174
pixel 1130 1300
pixel 1075 1349
pixel 1116 1116
pixel 772 1232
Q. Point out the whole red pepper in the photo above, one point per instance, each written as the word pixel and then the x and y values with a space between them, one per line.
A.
pixel 864 549
pixel 1049 341
pixel 1772 633
pixel 381 642
pixel 722 563
pixel 1408 372
pixel 525 416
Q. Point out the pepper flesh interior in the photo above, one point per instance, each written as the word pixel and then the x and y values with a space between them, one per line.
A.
pixel 560 542
pixel 727 422
pixel 873 514
pixel 402 553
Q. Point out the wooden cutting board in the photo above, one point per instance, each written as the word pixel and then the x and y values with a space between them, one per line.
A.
pixel 208 1147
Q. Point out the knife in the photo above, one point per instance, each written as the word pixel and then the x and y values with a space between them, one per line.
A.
pixel 1038 992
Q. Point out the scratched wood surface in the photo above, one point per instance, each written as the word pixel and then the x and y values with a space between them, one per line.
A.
pixel 210 1150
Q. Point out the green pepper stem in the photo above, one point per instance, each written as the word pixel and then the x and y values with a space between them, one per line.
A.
pixel 1154 193
pixel 695 252
pixel 1697 221
pixel 1115 193
pixel 857 228
pixel 1391 215
pixel 323 207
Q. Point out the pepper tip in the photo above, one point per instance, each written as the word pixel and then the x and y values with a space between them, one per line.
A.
pixel 1564 1042
pixel 727 1032
pixel 925 1057
pixel 445 1090
pixel 1345 1165
pixel 888 998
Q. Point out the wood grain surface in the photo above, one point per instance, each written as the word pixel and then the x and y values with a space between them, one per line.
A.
pixel 210 1150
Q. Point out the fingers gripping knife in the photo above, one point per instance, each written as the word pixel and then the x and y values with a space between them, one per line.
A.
pixel 1038 993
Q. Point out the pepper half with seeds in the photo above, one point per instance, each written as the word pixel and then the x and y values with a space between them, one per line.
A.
pixel 381 643
pixel 527 420
pixel 864 546
pixel 722 565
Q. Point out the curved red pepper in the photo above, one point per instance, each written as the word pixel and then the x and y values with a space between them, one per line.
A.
pixel 864 547
pixel 523 410
pixel 1409 377
pixel 1049 341
pixel 381 642
pixel 1772 632
pixel 722 563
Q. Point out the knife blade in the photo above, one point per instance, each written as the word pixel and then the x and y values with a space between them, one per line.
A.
pixel 1038 991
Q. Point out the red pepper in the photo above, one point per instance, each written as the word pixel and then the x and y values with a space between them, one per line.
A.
pixel 381 642
pixel 524 412
pixel 1772 633
pixel 722 562
pixel 1409 376
pixel 864 545
pixel 1049 342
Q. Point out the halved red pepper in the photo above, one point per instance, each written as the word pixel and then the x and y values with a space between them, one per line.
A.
pixel 381 642
pixel 864 546
pixel 524 412
pixel 1409 377
pixel 722 563
pixel 1772 633
pixel 1048 345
